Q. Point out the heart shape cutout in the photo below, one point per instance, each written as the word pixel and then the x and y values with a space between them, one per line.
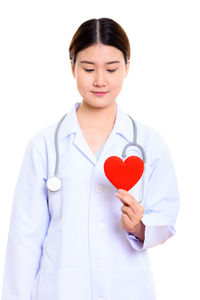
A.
pixel 124 174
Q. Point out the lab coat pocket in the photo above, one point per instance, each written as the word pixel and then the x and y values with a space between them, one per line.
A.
pixel 140 279
pixel 48 285
pixel 61 284
pixel 52 248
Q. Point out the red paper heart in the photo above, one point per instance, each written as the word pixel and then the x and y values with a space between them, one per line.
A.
pixel 124 174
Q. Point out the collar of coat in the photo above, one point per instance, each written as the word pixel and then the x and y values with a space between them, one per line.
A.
pixel 122 126
pixel 121 132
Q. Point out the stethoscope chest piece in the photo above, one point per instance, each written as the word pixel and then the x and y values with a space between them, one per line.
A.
pixel 54 183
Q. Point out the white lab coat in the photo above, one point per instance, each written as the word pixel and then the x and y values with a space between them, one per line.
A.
pixel 69 244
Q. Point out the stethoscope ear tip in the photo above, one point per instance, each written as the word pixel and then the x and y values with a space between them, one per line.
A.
pixel 54 183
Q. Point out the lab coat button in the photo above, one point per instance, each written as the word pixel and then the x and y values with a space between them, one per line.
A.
pixel 100 226
pixel 99 188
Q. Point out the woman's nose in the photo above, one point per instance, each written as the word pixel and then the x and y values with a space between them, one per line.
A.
pixel 99 78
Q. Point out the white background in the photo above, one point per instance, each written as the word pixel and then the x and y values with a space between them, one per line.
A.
pixel 161 90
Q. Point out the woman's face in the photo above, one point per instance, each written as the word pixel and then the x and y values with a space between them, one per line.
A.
pixel 99 68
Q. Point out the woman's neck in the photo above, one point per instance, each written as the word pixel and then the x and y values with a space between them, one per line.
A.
pixel 95 117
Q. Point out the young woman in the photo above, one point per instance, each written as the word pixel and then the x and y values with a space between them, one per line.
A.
pixel 89 240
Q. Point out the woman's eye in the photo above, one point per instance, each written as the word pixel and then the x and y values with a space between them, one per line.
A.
pixel 88 70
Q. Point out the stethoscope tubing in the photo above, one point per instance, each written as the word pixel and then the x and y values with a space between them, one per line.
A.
pixel 57 181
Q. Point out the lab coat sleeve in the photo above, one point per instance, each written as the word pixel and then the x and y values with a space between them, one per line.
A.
pixel 28 224
pixel 161 201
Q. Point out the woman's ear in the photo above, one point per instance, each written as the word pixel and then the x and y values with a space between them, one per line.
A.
pixel 73 68
pixel 127 66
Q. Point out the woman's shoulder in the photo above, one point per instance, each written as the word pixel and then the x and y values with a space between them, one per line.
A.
pixel 46 132
pixel 147 132
pixel 42 138
pixel 151 139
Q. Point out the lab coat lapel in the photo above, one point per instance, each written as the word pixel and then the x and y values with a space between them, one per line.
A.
pixel 83 146
pixel 121 132
pixel 79 140
pixel 70 125
pixel 122 127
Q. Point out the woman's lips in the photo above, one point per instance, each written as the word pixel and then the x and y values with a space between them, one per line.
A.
pixel 99 93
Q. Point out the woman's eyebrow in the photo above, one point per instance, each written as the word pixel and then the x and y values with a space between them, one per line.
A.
pixel 91 63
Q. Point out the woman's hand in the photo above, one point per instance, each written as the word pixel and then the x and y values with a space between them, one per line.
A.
pixel 132 213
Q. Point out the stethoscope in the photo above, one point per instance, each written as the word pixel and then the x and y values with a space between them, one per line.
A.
pixel 54 182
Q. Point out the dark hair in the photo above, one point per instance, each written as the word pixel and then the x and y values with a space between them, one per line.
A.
pixel 105 31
